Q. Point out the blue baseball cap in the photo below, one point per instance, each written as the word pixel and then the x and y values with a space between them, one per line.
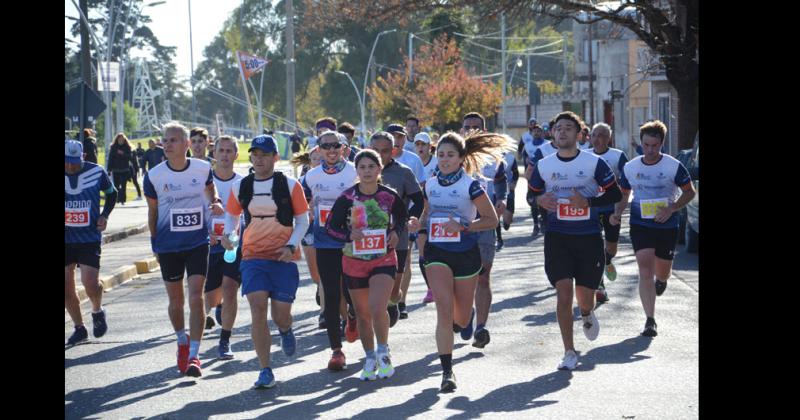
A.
pixel 264 143
pixel 73 151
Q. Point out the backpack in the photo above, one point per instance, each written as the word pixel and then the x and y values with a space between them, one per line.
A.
pixel 280 194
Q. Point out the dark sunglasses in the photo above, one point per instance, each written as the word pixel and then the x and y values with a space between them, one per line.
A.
pixel 472 127
pixel 328 146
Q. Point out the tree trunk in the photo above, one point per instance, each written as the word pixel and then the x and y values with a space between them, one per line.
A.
pixel 688 115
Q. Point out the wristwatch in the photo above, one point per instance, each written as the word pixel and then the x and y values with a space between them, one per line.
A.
pixel 217 200
pixel 291 248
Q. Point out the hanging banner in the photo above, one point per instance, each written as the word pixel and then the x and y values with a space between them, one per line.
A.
pixel 108 76
pixel 250 64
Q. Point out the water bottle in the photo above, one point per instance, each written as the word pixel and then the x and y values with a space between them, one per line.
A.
pixel 230 254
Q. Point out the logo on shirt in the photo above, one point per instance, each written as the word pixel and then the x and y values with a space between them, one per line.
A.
pixel 641 176
pixel 171 187
pixel 194 181
pixel 436 194
pixel 580 174
pixel 661 175
pixel 558 177
pixel 454 193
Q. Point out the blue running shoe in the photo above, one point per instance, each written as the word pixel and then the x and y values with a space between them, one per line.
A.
pixel 466 333
pixel 79 335
pixel 225 352
pixel 288 342
pixel 265 379
pixel 99 323
pixel 218 314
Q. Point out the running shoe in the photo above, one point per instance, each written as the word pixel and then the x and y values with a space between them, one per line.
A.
pixel 194 368
pixel 428 297
pixel 394 314
pixel 660 287
pixel 601 296
pixel 650 328
pixel 611 272
pixel 569 362
pixel 351 330
pixel 369 373
pixel 536 230
pixel 481 338
pixel 506 226
pixel 79 335
pixel 265 379
pixel 183 357
pixel 466 332
pixel 337 361
pixel 288 342
pixel 224 350
pixel 99 323
pixel 385 368
pixel 210 323
pixel 591 327
pixel 403 312
pixel 448 382
pixel 499 245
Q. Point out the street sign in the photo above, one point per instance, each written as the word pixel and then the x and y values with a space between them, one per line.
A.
pixel 108 74
pixel 94 105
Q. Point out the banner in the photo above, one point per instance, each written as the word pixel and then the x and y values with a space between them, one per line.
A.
pixel 108 76
pixel 250 64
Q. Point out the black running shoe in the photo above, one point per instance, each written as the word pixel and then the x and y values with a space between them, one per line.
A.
pixel 403 312
pixel 499 245
pixel 506 226
pixel 99 322
pixel 448 382
pixel 394 314
pixel 481 338
pixel 660 287
pixel 79 335
pixel 650 328
pixel 322 325
pixel 210 323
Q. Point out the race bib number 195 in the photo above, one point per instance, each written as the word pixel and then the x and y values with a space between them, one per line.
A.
pixel 374 242
pixel 186 220
pixel 438 233
pixel 76 217
pixel 567 213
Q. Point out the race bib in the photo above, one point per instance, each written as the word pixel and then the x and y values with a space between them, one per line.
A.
pixel 323 213
pixel 218 228
pixel 76 217
pixel 571 214
pixel 186 220
pixel 373 242
pixel 650 207
pixel 437 232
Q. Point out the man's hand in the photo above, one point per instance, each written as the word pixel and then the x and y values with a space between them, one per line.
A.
pixel 452 226
pixel 547 201
pixel 356 234
pixel 578 201
pixel 217 209
pixel 664 213
pixel 286 255
pixel 392 240
pixel 101 223
pixel 500 207
pixel 615 219
pixel 413 224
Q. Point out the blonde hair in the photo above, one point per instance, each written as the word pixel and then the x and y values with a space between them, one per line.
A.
pixel 478 149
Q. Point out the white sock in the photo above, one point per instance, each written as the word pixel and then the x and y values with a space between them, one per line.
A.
pixel 182 338
pixel 194 348
pixel 101 310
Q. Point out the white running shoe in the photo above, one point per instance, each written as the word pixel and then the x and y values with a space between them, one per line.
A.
pixel 385 368
pixel 569 362
pixel 591 327
pixel 370 367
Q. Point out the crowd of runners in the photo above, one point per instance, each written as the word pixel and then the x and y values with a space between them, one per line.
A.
pixel 358 211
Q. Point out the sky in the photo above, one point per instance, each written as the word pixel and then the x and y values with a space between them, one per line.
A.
pixel 170 24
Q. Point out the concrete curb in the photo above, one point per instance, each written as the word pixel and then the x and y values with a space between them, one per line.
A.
pixel 124 233
pixel 117 277
pixel 147 265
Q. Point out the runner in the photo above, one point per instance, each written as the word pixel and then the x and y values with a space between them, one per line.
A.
pixel 271 202
pixel 83 223
pixel 425 151
pixel 512 175
pixel 616 159
pixel 567 184
pixel 412 129
pixel 401 179
pixel 532 152
pixel 655 179
pixel 119 164
pixel 452 258
pixel 178 192
pixel 323 185
pixel 368 217
pixel 583 138
pixel 223 278
pixel 199 146
pixel 349 131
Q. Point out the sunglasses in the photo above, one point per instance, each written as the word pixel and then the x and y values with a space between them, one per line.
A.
pixel 472 127
pixel 328 146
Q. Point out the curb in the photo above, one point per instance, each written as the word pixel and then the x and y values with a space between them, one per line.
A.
pixel 147 265
pixel 117 277
pixel 124 233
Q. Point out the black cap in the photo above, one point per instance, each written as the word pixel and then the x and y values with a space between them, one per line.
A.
pixel 396 128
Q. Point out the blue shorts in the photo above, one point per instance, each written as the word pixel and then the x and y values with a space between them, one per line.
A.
pixel 280 279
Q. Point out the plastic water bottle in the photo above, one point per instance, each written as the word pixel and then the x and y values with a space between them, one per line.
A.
pixel 230 254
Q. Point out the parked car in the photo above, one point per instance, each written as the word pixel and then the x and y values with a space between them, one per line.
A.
pixel 692 238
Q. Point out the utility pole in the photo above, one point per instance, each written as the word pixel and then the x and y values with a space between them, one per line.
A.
pixel 503 65
pixel 191 66
pixel 290 110
pixel 591 82
pixel 410 57
pixel 86 70
pixel 105 77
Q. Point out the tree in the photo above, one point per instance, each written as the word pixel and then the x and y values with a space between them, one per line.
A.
pixel 129 114
pixel 668 27
pixel 442 90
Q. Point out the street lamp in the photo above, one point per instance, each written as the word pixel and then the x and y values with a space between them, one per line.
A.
pixel 369 63
pixel 360 100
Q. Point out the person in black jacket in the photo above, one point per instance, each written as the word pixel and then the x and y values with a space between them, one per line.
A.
pixel 135 173
pixel 153 156
pixel 89 145
pixel 119 164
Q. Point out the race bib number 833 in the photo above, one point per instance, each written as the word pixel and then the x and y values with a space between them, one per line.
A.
pixel 186 220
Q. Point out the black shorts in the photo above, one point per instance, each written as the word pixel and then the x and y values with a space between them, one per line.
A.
pixel 87 254
pixel 463 264
pixel 402 256
pixel 581 257
pixel 510 202
pixel 193 262
pixel 611 231
pixel 663 240
pixel 217 267
pixel 363 282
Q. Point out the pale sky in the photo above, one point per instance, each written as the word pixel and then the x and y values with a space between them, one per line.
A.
pixel 170 24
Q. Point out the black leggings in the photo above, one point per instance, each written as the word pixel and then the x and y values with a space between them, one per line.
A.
pixel 329 262
pixel 136 183
pixel 120 183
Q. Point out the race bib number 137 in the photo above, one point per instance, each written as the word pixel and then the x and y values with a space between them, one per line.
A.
pixel 374 242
